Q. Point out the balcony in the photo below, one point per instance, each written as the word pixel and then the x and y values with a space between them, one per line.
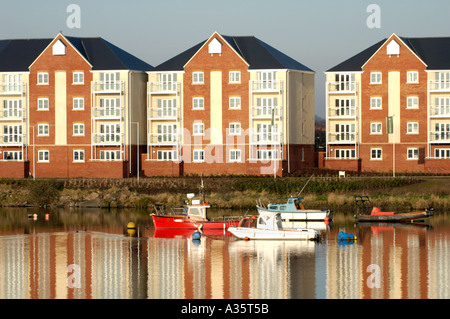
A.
pixel 107 138
pixel 163 113
pixel 440 111
pixel 12 114
pixel 265 138
pixel 163 87
pixel 266 86
pixel 12 89
pixel 11 139
pixel 341 112
pixel 164 139
pixel 439 86
pixel 342 138
pixel 107 113
pixel 266 112
pixel 343 87
pixel 108 87
pixel 440 137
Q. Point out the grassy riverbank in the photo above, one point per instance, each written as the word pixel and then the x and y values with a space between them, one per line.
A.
pixel 400 194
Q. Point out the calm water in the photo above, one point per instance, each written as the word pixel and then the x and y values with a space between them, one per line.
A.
pixel 89 254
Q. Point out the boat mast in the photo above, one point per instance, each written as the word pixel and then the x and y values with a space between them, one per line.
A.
pixel 298 194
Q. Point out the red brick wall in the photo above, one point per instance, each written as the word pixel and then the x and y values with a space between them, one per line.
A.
pixel 12 169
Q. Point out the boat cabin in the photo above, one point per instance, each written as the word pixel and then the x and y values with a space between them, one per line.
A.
pixel 197 211
pixel 269 221
pixel 293 203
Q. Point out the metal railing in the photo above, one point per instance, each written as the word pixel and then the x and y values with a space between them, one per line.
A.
pixel 267 86
pixel 163 113
pixel 112 87
pixel 266 112
pixel 164 138
pixel 347 87
pixel 440 111
pixel 102 112
pixel 107 138
pixel 12 88
pixel 443 137
pixel 163 87
pixel 439 86
pixel 341 112
pixel 342 137
pixel 11 114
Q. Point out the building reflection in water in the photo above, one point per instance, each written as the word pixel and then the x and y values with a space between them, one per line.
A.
pixel 413 262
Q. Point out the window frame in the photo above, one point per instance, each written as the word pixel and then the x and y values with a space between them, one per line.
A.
pixel 46 106
pixel 233 153
pixel 76 75
pixel 414 156
pixel 198 156
pixel 378 128
pixel 415 79
pixel 410 128
pixel 45 129
pixel 44 153
pixel 79 152
pixel 372 103
pixel 80 127
pixel 414 105
pixel 232 75
pixel 378 154
pixel 200 103
pixel 198 77
pixel 43 78
pixel 374 76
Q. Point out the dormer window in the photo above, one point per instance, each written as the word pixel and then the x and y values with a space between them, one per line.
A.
pixel 59 48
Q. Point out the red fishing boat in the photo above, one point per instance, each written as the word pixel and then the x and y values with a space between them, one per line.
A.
pixel 369 213
pixel 191 216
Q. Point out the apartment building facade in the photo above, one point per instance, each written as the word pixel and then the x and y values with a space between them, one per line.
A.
pixel 229 105
pixel 388 108
pixel 72 107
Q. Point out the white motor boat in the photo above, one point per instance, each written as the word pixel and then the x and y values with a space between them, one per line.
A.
pixel 268 225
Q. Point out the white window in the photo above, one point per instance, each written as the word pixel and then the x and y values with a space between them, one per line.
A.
pixel 42 78
pixel 235 102
pixel 235 77
pixel 266 106
pixel 166 108
pixel 43 156
pixel 166 155
pixel 344 82
pixel 441 106
pixel 198 103
pixel 78 78
pixel 78 103
pixel 266 80
pixel 198 129
pixel 413 153
pixel 443 153
pixel 376 103
pixel 442 81
pixel 167 133
pixel 43 130
pixel 109 133
pixel 78 129
pixel 234 129
pixel 12 108
pixel 12 134
pixel 199 156
pixel 197 78
pixel 235 155
pixel 412 128
pixel 109 81
pixel 412 102
pixel 376 153
pixel 43 104
pixel 78 156
pixel 12 156
pixel 375 128
pixel 110 155
pixel 346 153
pixel 267 133
pixel 344 107
pixel 109 107
pixel 166 82
pixel 412 77
pixel 442 131
pixel 375 77
pixel 345 132
pixel 12 83
pixel 266 155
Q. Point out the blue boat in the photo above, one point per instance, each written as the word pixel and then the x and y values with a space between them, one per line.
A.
pixel 293 210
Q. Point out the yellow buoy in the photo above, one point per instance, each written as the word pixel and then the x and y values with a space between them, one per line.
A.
pixel 131 225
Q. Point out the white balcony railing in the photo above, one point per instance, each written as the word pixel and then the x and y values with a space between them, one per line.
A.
pixel 12 139
pixel 439 86
pixel 12 114
pixel 164 138
pixel 266 86
pixel 12 88
pixel 343 87
pixel 440 137
pixel 163 87
pixel 163 113
pixel 440 111
pixel 108 87
pixel 338 138
pixel 265 138
pixel 107 138
pixel 266 112
pixel 341 112
pixel 108 113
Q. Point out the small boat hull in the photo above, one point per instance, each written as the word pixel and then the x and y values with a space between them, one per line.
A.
pixel 306 214
pixel 181 222
pixel 395 217
pixel 280 234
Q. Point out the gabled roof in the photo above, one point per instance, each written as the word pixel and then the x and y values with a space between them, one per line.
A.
pixel 434 52
pixel 18 55
pixel 257 54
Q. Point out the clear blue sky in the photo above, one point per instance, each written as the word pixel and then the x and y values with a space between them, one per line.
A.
pixel 319 34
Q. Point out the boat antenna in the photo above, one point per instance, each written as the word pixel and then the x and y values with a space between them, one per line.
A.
pixel 298 194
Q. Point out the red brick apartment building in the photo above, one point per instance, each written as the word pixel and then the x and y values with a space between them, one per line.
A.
pixel 71 107
pixel 229 105
pixel 388 108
